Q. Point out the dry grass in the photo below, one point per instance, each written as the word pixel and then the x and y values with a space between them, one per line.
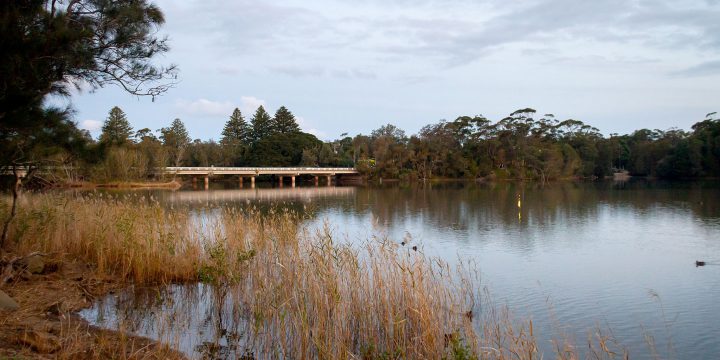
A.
pixel 293 292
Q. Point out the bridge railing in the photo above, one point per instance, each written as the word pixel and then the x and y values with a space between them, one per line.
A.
pixel 226 168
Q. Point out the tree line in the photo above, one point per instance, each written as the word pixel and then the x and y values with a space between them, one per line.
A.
pixel 519 146
pixel 524 145
pixel 122 153
pixel 51 46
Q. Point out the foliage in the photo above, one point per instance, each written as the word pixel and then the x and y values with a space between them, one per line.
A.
pixel 47 48
pixel 282 149
pixel 284 122
pixel 116 130
pixel 261 124
pixel 518 146
pixel 236 138
pixel 176 139
pixel 121 164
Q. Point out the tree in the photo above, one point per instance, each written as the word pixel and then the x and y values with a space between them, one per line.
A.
pixel 24 150
pixel 283 149
pixel 144 134
pixel 390 131
pixel 236 130
pixel 93 42
pixel 152 150
pixel 117 130
pixel 175 138
pixel 47 49
pixel 236 136
pixel 284 122
pixel 309 158
pixel 261 125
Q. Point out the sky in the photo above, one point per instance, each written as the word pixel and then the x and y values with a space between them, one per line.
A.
pixel 350 66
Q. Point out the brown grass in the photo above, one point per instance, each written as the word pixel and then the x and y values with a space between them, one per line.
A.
pixel 297 293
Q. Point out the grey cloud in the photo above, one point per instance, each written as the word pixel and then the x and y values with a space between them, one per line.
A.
pixel 311 40
pixel 296 71
pixel 653 23
pixel 354 74
pixel 703 69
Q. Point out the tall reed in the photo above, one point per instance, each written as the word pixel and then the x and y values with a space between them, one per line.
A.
pixel 291 291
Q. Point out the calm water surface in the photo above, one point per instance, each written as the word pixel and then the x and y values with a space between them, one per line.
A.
pixel 574 257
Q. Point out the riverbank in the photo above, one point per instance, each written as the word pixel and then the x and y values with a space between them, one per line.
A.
pixel 46 325
pixel 173 185
pixel 286 288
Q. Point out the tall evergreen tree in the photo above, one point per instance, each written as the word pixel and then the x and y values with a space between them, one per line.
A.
pixel 236 136
pixel 284 121
pixel 116 130
pixel 176 139
pixel 236 130
pixel 261 125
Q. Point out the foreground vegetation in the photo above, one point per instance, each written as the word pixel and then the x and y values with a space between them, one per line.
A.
pixel 295 292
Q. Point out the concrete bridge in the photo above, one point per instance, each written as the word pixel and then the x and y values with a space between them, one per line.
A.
pixel 252 172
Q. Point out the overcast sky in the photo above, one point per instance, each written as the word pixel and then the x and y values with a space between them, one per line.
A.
pixel 353 65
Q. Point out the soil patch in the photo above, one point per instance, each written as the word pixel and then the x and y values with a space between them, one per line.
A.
pixel 46 325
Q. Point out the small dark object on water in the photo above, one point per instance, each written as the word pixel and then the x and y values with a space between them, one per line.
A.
pixel 699 263
pixel 414 248
pixel 402 243
pixel 469 314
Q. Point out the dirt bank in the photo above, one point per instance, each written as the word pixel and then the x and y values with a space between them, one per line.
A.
pixel 46 325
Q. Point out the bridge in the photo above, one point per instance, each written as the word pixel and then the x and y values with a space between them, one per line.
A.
pixel 243 172
pixel 252 172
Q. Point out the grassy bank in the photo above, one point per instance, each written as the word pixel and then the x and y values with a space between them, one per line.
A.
pixel 296 292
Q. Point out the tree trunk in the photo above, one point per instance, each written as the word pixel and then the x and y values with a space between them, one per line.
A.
pixel 13 209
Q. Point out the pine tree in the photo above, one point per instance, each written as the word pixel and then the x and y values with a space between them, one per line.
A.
pixel 176 139
pixel 236 130
pixel 284 121
pixel 262 125
pixel 117 129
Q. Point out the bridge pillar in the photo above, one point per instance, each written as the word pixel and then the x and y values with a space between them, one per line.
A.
pixel 281 181
pixel 329 180
pixel 241 181
pixel 252 182
pixel 292 180
pixel 317 180
pixel 207 182
pixel 194 181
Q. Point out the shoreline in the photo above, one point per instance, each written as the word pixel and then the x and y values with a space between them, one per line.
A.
pixel 47 323
pixel 174 185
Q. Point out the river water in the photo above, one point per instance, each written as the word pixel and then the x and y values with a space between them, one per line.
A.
pixel 573 257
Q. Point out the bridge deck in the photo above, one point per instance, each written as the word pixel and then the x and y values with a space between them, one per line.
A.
pixel 254 171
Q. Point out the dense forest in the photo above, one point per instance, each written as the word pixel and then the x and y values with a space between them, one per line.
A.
pixel 520 146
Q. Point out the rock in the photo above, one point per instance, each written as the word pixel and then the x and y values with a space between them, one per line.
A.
pixel 7 303
pixel 41 342
pixel 34 264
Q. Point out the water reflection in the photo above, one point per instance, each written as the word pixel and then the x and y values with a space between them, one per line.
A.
pixel 620 254
pixel 198 320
